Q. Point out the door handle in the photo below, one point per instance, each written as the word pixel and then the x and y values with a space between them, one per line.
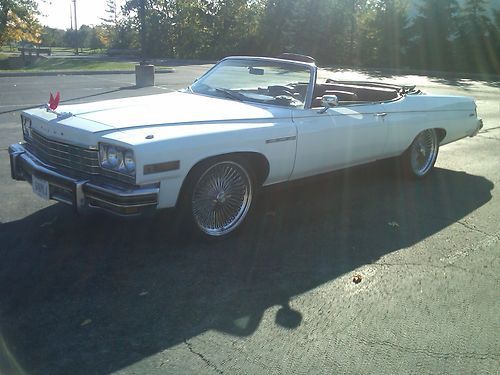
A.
pixel 383 114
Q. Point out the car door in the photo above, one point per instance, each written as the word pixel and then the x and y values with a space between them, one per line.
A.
pixel 342 136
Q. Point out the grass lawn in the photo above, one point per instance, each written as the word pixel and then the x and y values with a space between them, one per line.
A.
pixel 84 51
pixel 43 65
pixel 7 49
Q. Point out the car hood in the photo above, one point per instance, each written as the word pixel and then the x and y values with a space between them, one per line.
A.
pixel 174 108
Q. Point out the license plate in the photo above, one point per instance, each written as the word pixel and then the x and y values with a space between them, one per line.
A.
pixel 40 187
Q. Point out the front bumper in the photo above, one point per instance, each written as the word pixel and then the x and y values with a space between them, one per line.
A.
pixel 83 193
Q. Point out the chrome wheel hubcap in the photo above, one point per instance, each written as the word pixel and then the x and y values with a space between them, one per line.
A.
pixel 424 152
pixel 221 198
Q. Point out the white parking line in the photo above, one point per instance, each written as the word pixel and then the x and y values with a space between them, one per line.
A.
pixel 164 88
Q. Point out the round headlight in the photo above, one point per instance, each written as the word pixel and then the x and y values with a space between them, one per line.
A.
pixel 128 161
pixel 113 156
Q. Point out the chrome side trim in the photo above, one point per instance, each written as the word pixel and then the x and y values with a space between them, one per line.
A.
pixel 282 139
pixel 118 204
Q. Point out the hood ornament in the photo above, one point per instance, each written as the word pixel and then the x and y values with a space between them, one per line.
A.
pixel 52 105
pixel 54 101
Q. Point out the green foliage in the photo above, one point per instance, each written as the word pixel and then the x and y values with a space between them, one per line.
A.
pixel 111 25
pixel 385 33
pixel 461 35
pixel 476 39
pixel 197 28
pixel 18 21
pixel 435 29
pixel 61 64
pixel 52 37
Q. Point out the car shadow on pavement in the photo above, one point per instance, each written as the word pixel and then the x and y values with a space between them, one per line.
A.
pixel 95 294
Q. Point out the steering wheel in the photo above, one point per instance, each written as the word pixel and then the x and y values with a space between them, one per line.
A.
pixel 277 90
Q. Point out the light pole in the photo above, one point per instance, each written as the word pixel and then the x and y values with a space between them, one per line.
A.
pixel 76 29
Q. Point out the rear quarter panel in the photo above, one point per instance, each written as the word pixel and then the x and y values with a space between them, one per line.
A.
pixel 412 114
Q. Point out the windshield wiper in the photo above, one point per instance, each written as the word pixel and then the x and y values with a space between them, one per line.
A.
pixel 230 94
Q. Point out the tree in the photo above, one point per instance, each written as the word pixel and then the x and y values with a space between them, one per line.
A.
pixel 18 21
pixel 319 28
pixel 384 33
pixel 95 37
pixel 110 23
pixel 83 33
pixel 434 31
pixel 474 41
pixel 126 35
pixel 347 32
pixel 111 13
pixel 494 42
pixel 234 25
pixel 69 38
pixel 52 37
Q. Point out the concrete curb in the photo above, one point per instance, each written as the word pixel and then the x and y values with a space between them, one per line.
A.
pixel 77 72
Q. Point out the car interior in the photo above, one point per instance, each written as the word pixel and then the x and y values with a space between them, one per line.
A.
pixel 355 92
pixel 349 92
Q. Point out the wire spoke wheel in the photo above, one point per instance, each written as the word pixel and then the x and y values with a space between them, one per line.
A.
pixel 221 198
pixel 423 152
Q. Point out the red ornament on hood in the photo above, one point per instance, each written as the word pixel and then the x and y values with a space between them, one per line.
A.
pixel 54 101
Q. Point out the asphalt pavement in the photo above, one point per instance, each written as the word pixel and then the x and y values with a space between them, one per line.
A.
pixel 99 295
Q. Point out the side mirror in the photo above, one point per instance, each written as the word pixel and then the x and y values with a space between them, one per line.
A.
pixel 329 101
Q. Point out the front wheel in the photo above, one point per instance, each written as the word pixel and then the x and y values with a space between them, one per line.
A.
pixel 219 196
pixel 420 157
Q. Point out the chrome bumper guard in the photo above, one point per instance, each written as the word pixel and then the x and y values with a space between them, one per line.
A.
pixel 85 194
pixel 478 128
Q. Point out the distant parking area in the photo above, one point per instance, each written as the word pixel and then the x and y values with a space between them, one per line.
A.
pixel 95 295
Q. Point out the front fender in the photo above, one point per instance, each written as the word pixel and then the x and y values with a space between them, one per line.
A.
pixel 274 141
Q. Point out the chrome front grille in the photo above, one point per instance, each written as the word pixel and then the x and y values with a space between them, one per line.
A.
pixel 62 154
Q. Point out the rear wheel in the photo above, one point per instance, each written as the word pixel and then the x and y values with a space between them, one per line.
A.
pixel 420 157
pixel 219 196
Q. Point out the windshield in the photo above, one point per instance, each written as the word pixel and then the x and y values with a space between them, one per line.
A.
pixel 261 81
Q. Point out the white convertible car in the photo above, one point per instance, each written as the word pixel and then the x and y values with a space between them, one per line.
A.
pixel 247 122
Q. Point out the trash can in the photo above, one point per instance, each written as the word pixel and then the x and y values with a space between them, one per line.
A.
pixel 144 75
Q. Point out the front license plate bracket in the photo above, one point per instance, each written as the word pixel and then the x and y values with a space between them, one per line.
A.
pixel 40 187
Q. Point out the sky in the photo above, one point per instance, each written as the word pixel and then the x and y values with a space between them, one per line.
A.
pixel 56 13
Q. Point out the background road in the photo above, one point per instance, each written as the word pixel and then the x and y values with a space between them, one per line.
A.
pixel 96 295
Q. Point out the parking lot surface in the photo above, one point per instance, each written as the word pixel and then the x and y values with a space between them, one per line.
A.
pixel 99 295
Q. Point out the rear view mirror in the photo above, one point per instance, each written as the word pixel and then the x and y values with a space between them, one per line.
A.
pixel 256 71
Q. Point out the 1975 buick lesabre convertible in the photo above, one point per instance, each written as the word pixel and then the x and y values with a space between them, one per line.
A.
pixel 246 123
